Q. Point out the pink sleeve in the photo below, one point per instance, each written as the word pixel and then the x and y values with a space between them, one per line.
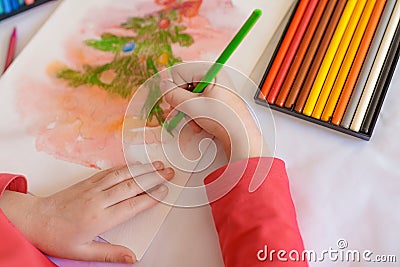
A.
pixel 15 249
pixel 254 227
pixel 13 183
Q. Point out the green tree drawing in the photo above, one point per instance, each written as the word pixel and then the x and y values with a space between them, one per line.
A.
pixel 136 58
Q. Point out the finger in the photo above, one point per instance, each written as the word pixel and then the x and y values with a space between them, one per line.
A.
pixel 189 72
pixel 100 175
pixel 129 208
pixel 178 79
pixel 167 85
pixel 177 96
pixel 133 187
pixel 195 127
pixel 119 175
pixel 106 252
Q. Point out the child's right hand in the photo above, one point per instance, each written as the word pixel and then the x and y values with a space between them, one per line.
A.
pixel 218 110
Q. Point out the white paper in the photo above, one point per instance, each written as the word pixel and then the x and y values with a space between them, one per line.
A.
pixel 72 23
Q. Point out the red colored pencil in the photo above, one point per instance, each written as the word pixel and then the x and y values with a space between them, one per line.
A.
pixel 11 49
pixel 291 53
pixel 283 48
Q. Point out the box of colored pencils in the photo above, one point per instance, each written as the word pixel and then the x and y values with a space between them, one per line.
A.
pixel 9 8
pixel 334 63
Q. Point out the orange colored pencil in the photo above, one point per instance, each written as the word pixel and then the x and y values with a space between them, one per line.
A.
pixel 301 8
pixel 305 43
pixel 292 52
pixel 358 62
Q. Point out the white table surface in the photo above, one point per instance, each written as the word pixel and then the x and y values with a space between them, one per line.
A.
pixel 342 187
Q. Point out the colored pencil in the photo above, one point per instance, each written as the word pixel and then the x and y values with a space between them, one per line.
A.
pixel 1 7
pixel 11 49
pixel 7 6
pixel 308 72
pixel 305 43
pixel 329 57
pixel 301 52
pixel 217 66
pixel 14 5
pixel 369 61
pixel 291 53
pixel 329 106
pixel 228 51
pixel 312 48
pixel 273 71
pixel 338 59
pixel 29 2
pixel 358 63
pixel 379 93
pixel 376 69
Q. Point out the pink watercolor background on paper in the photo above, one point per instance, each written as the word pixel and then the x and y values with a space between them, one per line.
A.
pixel 83 124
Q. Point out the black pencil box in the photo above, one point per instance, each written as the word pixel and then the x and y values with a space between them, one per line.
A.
pixel 384 81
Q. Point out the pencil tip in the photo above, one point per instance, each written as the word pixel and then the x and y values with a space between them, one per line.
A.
pixel 258 12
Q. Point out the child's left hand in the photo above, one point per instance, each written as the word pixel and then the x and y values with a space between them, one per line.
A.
pixel 64 224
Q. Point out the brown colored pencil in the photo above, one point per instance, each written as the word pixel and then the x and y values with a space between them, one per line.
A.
pixel 305 42
pixel 311 51
pixel 358 62
pixel 320 50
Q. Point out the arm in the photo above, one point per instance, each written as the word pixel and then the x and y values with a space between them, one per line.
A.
pixel 253 227
pixel 248 217
pixel 13 243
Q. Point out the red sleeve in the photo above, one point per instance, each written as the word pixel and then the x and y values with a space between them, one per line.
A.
pixel 254 226
pixel 15 250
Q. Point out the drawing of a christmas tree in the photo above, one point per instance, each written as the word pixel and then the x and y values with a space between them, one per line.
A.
pixel 135 58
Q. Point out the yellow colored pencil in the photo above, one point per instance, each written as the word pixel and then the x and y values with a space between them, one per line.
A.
pixel 338 59
pixel 348 61
pixel 329 56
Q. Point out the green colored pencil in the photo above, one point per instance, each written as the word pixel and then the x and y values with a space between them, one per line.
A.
pixel 217 66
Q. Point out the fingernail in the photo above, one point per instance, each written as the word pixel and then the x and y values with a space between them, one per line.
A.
pixel 162 188
pixel 128 259
pixel 170 171
pixel 158 165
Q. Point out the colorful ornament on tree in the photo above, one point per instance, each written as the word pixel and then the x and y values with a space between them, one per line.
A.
pixel 129 47
pixel 190 8
pixel 163 58
pixel 164 23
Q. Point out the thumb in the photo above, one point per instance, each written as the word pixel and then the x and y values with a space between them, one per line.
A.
pixel 175 95
pixel 106 252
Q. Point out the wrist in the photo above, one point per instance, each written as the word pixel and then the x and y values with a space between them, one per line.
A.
pixel 18 208
pixel 248 145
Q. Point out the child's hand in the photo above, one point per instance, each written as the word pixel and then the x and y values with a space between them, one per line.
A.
pixel 218 110
pixel 65 224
